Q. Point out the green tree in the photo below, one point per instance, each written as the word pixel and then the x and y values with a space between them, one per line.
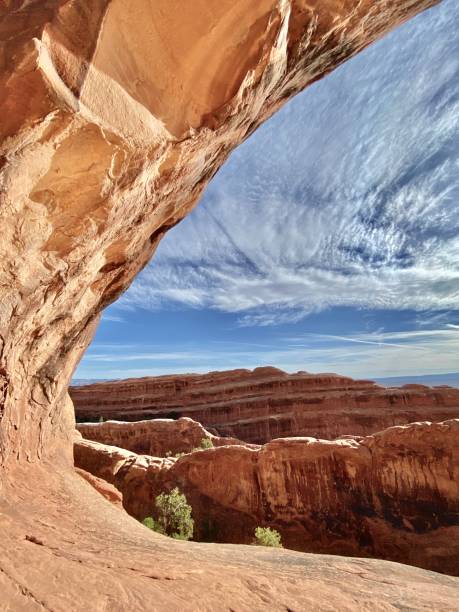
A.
pixel 173 516
pixel 265 536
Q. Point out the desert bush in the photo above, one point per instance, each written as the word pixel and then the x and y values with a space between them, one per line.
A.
pixel 205 443
pixel 173 516
pixel 153 525
pixel 265 536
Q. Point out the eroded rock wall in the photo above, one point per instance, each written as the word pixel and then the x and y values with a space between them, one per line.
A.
pixel 158 437
pixel 267 403
pixel 393 495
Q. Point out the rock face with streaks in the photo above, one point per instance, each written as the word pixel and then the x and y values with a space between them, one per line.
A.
pixel 393 495
pixel 267 403
pixel 113 118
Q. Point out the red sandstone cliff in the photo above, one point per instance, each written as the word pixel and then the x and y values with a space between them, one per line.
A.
pixel 266 403
pixel 113 118
pixel 393 495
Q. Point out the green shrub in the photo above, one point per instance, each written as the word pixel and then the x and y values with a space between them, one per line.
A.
pixel 205 443
pixel 153 525
pixel 173 516
pixel 265 536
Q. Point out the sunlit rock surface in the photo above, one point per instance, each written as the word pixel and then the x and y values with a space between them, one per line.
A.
pixel 114 116
pixel 111 493
pixel 266 403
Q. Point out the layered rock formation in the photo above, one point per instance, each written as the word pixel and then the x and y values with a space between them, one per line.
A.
pixel 114 116
pixel 393 495
pixel 266 403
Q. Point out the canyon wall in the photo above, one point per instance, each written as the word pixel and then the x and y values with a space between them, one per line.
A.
pixel 393 495
pixel 114 117
pixel 257 406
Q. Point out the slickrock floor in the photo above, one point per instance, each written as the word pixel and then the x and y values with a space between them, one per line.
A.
pixel 69 549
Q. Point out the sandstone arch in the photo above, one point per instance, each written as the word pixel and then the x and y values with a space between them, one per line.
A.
pixel 114 116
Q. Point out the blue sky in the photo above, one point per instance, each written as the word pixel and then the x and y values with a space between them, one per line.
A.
pixel 328 242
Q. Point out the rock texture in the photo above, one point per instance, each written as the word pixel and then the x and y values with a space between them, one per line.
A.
pixel 111 493
pixel 68 549
pixel 393 495
pixel 159 437
pixel 114 116
pixel 266 403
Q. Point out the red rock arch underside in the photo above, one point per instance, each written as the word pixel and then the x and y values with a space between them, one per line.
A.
pixel 114 117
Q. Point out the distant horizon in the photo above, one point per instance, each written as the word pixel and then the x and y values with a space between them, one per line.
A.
pixel 446 376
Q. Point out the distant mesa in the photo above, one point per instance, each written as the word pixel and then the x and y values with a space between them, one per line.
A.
pixel 298 452
pixel 450 379
pixel 266 403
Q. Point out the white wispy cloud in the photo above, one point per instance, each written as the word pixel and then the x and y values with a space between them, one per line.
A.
pixel 111 318
pixel 431 319
pixel 347 197
pixel 401 353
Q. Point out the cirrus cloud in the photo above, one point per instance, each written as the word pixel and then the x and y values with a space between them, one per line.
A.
pixel 347 197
